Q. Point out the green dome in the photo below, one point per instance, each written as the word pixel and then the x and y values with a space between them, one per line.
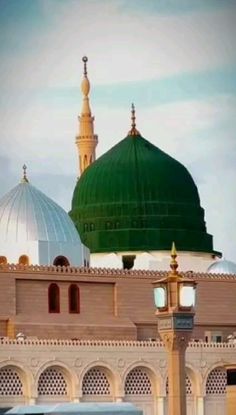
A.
pixel 137 198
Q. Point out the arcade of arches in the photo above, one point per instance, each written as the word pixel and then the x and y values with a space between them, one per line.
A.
pixel 140 386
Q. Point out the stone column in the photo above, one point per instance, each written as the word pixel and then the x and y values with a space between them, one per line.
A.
pixel 176 344
pixel 200 405
pixel 160 405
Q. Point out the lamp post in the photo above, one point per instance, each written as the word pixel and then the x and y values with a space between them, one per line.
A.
pixel 175 299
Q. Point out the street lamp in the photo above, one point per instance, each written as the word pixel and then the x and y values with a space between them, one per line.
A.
pixel 174 298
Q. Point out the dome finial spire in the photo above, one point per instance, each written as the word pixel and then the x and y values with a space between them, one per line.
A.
pixel 133 130
pixel 85 85
pixel 85 60
pixel 24 178
pixel 173 264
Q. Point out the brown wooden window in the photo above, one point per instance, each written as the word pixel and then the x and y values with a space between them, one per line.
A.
pixel 53 298
pixel 74 299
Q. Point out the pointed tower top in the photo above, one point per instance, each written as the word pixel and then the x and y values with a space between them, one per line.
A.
pixel 85 60
pixel 85 85
pixel 24 178
pixel 133 131
pixel 173 264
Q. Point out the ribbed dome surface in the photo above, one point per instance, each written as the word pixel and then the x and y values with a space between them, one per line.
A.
pixel 136 197
pixel 26 214
pixel 222 267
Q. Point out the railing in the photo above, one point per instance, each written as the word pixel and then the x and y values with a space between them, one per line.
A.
pixel 109 343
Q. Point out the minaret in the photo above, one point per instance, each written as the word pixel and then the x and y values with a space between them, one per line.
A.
pixel 86 140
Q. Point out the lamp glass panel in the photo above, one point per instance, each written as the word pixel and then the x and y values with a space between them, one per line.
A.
pixel 187 296
pixel 160 297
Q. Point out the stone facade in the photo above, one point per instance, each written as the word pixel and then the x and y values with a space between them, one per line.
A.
pixel 108 349
pixel 92 370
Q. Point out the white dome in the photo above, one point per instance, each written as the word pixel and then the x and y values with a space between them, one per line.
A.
pixel 222 267
pixel 29 217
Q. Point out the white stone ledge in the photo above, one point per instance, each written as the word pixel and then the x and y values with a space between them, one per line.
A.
pixel 109 343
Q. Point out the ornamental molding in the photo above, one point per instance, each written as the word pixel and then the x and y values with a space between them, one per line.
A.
pixel 107 272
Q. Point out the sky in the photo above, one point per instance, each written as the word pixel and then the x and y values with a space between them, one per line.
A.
pixel 175 59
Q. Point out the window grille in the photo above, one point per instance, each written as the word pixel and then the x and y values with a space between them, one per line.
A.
pixel 138 383
pixel 216 382
pixel 52 382
pixel 95 382
pixel 10 383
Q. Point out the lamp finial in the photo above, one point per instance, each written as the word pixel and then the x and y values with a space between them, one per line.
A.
pixel 174 264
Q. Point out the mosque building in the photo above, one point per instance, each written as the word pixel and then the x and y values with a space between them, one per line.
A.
pixel 77 316
pixel 133 201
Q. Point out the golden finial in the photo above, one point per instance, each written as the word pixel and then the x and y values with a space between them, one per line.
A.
pixel 174 264
pixel 85 85
pixel 24 178
pixel 85 60
pixel 133 130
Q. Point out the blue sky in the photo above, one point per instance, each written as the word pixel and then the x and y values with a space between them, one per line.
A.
pixel 176 59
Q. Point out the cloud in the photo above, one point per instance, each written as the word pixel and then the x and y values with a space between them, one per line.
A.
pixel 121 44
pixel 178 68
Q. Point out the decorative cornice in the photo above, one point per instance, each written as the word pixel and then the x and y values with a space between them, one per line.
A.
pixel 109 272
pixel 108 343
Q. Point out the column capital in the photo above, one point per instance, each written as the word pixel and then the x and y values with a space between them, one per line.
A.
pixel 175 341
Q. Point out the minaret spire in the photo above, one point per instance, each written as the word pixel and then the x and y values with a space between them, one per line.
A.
pixel 86 140
pixel 133 130
pixel 24 178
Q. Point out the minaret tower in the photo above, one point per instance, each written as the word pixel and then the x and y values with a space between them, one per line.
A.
pixel 86 140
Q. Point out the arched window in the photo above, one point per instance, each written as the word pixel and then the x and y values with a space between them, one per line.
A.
pixel 3 260
pixel 74 299
pixel 53 298
pixel 61 261
pixel 24 260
